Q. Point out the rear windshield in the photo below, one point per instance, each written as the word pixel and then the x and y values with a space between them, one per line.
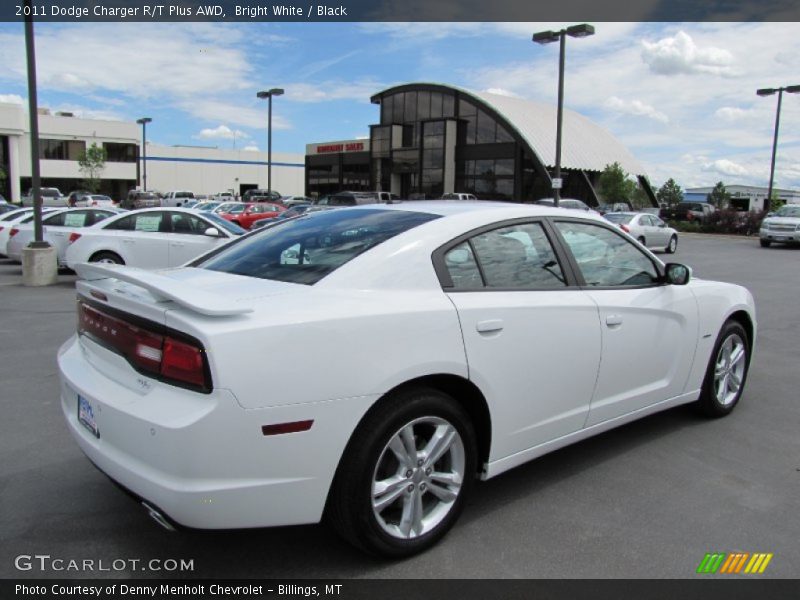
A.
pixel 619 217
pixel 145 196
pixel 306 249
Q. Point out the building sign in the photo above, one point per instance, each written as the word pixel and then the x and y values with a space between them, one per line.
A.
pixel 338 147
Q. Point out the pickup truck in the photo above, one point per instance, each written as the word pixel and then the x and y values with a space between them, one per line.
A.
pixel 176 198
pixel 50 197
pixel 687 211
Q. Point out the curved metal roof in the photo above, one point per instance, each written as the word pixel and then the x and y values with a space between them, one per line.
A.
pixel 585 145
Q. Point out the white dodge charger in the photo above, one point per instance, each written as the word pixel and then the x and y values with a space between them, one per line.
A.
pixel 423 345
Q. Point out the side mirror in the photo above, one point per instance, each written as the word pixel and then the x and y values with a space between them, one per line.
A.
pixel 662 224
pixel 770 214
pixel 212 232
pixel 678 274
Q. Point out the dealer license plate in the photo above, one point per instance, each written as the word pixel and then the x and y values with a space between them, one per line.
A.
pixel 86 416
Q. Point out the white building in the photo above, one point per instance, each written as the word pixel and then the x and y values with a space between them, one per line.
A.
pixel 205 170
pixel 744 197
pixel 63 138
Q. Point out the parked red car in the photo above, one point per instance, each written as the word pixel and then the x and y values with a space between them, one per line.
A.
pixel 244 214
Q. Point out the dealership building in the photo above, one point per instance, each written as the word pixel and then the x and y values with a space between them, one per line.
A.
pixel 430 139
pixel 434 139
pixel 63 138
pixel 744 197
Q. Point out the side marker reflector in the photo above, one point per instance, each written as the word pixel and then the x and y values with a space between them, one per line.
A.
pixel 293 427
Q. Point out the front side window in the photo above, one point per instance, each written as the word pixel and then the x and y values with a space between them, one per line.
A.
pixel 187 224
pixel 306 249
pixel 606 259
pixel 517 257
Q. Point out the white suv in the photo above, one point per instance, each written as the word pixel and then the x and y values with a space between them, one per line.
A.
pixel 781 226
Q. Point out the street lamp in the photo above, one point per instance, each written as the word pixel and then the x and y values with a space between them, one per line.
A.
pixel 545 37
pixel 792 89
pixel 268 94
pixel 33 115
pixel 143 122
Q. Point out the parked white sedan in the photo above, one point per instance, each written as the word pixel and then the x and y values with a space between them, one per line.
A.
pixel 435 334
pixel 59 229
pixel 648 229
pixel 14 218
pixel 151 238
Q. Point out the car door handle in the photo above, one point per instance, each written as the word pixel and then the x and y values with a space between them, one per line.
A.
pixel 613 320
pixel 128 241
pixel 177 244
pixel 489 326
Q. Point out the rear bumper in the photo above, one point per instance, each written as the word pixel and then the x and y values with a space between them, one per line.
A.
pixel 202 459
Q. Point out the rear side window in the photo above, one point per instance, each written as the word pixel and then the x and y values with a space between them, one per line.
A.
pixel 306 249
pixel 517 257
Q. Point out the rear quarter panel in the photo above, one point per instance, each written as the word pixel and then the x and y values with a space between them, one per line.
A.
pixel 328 345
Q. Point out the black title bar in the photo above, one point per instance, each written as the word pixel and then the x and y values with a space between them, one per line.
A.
pixel 72 11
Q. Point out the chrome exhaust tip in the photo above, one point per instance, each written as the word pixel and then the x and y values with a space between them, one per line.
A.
pixel 159 518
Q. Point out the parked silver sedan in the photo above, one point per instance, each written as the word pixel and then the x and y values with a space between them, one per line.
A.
pixel 648 229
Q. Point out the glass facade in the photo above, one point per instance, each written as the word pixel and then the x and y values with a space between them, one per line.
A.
pixel 5 174
pixel 61 149
pixel 126 153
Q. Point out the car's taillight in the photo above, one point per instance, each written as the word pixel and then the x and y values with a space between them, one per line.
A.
pixel 183 362
pixel 74 237
pixel 14 231
pixel 625 228
pixel 160 356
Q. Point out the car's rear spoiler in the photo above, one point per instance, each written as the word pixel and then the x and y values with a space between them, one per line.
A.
pixel 164 288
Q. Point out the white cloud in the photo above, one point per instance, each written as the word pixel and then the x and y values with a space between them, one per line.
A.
pixel 680 54
pixel 360 91
pixel 250 148
pixel 731 113
pixel 222 132
pixel 636 108
pixel 501 92
pixel 11 99
pixel 724 166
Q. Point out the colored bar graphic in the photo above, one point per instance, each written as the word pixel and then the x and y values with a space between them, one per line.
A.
pixel 711 562
pixel 724 563
pixel 759 562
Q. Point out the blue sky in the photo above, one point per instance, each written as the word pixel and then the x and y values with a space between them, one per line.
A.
pixel 681 96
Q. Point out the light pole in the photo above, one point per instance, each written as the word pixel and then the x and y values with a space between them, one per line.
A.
pixel 792 89
pixel 143 122
pixel 33 114
pixel 545 37
pixel 268 94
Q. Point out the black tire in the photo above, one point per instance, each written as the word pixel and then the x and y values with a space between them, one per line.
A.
pixel 671 248
pixel 107 257
pixel 709 402
pixel 765 243
pixel 641 240
pixel 367 457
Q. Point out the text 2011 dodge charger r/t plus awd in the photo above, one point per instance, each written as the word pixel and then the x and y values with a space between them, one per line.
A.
pixel 423 345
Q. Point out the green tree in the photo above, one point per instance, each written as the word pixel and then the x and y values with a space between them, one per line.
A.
pixel 92 162
pixel 670 193
pixel 3 178
pixel 719 196
pixel 614 185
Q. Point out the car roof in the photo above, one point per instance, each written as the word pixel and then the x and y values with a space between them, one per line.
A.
pixel 455 207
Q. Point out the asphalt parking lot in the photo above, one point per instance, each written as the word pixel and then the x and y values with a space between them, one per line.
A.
pixel 644 501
